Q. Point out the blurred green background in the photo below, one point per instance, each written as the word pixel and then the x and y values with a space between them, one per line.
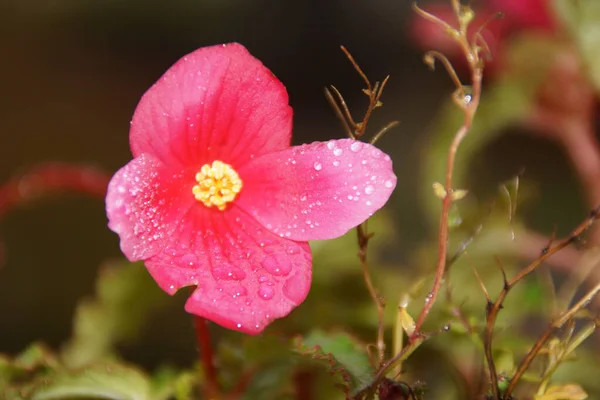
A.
pixel 72 72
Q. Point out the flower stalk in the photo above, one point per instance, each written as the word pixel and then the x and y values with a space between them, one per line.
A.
pixel 212 387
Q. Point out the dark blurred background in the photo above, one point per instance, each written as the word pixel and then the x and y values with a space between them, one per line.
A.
pixel 72 72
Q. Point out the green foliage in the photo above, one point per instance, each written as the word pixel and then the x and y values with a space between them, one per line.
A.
pixel 343 355
pixel 125 296
pixel 102 381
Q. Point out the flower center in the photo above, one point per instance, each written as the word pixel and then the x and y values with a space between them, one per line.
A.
pixel 218 184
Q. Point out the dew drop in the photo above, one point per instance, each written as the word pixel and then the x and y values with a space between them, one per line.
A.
pixel 293 250
pixel 336 163
pixel 228 272
pixel 337 152
pixel 355 146
pixel 318 166
pixel 369 189
pixel 303 197
pixel 388 184
pixel 368 202
pixel 266 292
pixel 331 145
pixel 277 264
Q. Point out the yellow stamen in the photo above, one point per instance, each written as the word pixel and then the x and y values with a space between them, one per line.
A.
pixel 218 184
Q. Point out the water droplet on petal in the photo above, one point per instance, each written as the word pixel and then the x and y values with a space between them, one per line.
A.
pixel 331 145
pixel 318 166
pixel 336 163
pixel 228 272
pixel 266 292
pixel 337 152
pixel 369 189
pixel 388 184
pixel 277 264
pixel 356 146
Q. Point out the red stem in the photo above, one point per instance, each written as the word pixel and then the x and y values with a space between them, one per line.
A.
pixel 51 178
pixel 207 357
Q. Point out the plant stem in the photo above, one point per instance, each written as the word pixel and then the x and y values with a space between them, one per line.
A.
pixel 212 387
pixel 469 111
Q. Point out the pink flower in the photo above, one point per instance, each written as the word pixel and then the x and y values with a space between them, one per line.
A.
pixel 216 198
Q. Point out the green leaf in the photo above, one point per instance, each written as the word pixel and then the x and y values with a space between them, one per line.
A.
pixel 169 383
pixel 582 19
pixel 125 296
pixel 102 381
pixel 344 356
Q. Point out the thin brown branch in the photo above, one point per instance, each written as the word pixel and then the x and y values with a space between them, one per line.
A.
pixel 494 309
pixel 363 238
pixel 469 109
pixel 556 324
pixel 341 111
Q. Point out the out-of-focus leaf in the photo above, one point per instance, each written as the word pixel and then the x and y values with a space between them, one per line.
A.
pixel 102 381
pixel 264 364
pixel 343 355
pixel 169 383
pixel 569 391
pixel 582 19
pixel 125 296
pixel 503 104
pixel 36 355
pixel 406 321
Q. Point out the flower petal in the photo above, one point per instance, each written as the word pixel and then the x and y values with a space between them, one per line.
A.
pixel 218 102
pixel 245 276
pixel 144 204
pixel 317 191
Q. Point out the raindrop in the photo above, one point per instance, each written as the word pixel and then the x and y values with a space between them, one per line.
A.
pixel 369 189
pixel 355 146
pixel 228 272
pixel 277 264
pixel 266 293
pixel 318 166
pixel 336 163
pixel 337 152
pixel 331 145
pixel 388 184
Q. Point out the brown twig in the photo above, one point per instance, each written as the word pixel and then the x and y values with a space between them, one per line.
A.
pixel 356 130
pixel 556 324
pixel 469 108
pixel 363 238
pixel 212 388
pixel 494 308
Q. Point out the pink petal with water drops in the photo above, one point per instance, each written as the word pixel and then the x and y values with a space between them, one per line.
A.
pixel 144 205
pixel 217 103
pixel 317 191
pixel 245 276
